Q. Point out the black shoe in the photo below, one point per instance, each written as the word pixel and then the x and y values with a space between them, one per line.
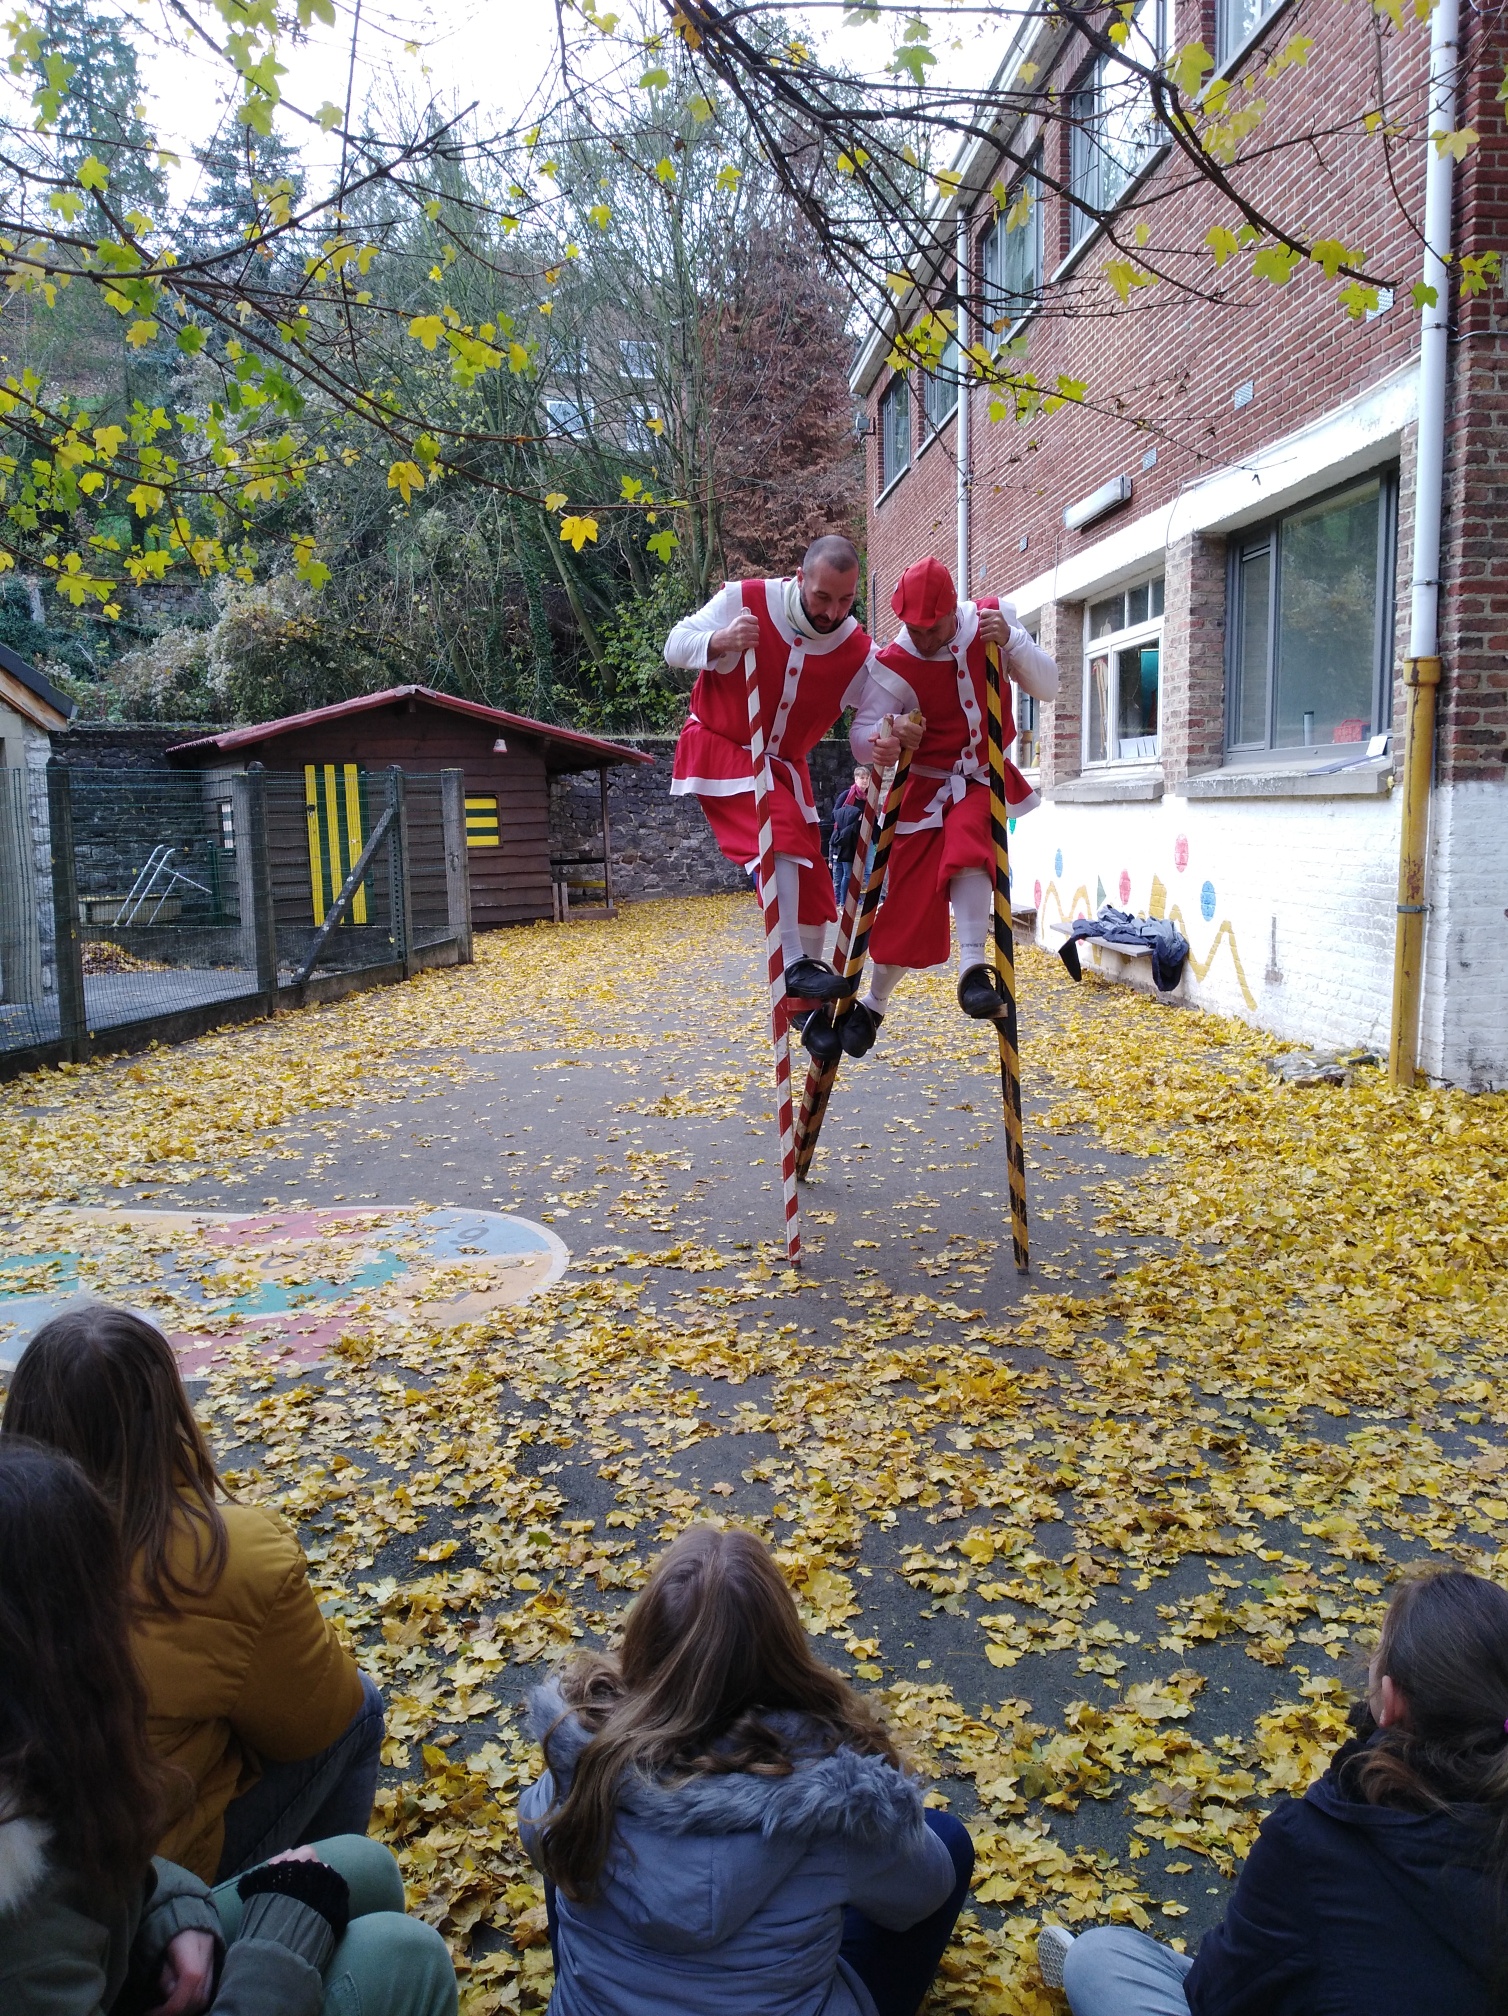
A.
pixel 979 995
pixel 821 1038
pixel 858 1029
pixel 814 980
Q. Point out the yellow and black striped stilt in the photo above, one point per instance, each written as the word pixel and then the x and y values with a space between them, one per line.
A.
pixel 859 907
pixel 1005 970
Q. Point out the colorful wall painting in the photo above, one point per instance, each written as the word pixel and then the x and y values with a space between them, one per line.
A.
pixel 288 1284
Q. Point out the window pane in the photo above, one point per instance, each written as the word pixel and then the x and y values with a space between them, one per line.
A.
pixel 1099 710
pixel 941 387
pixel 1157 588
pixel 1136 604
pixel 1107 616
pixel 1136 693
pixel 1327 621
pixel 895 431
pixel 1236 19
pixel 1026 731
pixel 1253 627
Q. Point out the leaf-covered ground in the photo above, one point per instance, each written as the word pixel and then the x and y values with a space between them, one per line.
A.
pixel 1106 1544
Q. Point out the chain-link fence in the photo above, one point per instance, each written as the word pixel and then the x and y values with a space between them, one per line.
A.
pixel 160 901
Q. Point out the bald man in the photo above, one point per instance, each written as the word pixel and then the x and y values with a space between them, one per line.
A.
pixel 811 660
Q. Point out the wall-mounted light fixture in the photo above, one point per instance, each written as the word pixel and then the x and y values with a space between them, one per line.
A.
pixel 1109 497
pixel 863 424
pixel 499 747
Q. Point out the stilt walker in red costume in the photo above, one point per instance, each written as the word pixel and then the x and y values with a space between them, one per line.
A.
pixel 943 851
pixel 810 661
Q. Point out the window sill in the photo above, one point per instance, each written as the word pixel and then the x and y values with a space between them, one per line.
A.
pixel 896 480
pixel 1371 778
pixel 1110 787
pixel 1096 231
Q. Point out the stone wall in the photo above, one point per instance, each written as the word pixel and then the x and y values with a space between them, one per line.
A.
pixel 662 845
pixel 124 745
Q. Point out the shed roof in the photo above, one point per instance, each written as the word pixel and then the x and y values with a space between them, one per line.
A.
pixel 37 699
pixel 565 748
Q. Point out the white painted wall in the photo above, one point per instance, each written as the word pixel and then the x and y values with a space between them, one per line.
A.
pixel 1302 897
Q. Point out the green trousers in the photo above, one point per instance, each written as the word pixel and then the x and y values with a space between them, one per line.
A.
pixel 387 1964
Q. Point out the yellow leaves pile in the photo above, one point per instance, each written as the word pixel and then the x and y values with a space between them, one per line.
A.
pixel 1255 1368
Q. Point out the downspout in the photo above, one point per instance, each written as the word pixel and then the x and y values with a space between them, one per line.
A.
pixel 1421 674
pixel 961 438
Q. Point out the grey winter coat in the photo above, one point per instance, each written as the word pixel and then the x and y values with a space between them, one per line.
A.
pixel 68 1950
pixel 725 1896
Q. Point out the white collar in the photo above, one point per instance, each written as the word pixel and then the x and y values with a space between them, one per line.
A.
pixel 774 597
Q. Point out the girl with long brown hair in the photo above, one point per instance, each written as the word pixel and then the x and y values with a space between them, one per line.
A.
pixel 725 1827
pixel 272 1732
pixel 1384 1890
pixel 90 1923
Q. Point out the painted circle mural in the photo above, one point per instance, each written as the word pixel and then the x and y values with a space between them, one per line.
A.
pixel 287 1284
pixel 1037 893
pixel 1124 885
pixel 1207 902
pixel 1181 852
pixel 1057 862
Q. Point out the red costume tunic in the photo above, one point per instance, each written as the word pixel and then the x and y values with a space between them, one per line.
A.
pixel 804 685
pixel 944 827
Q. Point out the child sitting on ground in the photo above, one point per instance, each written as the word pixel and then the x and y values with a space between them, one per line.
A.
pixel 724 1825
pixel 1384 1890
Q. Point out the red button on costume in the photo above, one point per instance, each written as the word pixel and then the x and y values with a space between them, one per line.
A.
pixel 944 827
pixel 803 687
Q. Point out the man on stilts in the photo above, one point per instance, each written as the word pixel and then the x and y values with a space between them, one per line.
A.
pixel 943 851
pixel 810 660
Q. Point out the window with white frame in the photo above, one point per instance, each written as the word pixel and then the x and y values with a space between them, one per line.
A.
pixel 1122 668
pixel 568 416
pixel 638 358
pixel 1011 255
pixel 1236 21
pixel 641 432
pixel 1028 751
pixel 1113 129
pixel 940 385
pixel 1310 622
pixel 895 431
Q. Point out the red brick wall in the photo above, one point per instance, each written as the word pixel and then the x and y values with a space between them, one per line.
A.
pixel 1163 369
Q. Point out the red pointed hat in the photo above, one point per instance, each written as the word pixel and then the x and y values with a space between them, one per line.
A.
pixel 924 594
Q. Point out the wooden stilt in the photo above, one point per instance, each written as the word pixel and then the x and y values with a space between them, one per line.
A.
pixel 860 904
pixel 1005 971
pixel 780 1032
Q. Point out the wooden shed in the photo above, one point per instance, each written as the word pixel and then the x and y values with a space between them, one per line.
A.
pixel 507 761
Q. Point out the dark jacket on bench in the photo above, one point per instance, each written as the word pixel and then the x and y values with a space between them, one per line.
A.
pixel 1347 1909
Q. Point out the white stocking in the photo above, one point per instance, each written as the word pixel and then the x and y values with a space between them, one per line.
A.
pixel 813 938
pixel 788 896
pixel 882 984
pixel 972 895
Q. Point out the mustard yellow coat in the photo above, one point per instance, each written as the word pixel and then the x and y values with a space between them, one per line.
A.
pixel 248 1671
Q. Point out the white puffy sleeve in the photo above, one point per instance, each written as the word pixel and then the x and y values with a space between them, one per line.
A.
pixel 1034 670
pixel 884 692
pixel 686 646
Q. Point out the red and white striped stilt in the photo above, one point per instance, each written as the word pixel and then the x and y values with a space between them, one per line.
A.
pixel 780 1028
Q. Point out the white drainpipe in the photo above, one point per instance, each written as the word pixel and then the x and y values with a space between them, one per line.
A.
pixel 1422 668
pixel 961 437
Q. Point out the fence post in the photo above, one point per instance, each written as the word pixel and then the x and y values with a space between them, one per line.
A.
pixel 609 895
pixel 400 900
pixel 457 862
pixel 254 879
pixel 68 952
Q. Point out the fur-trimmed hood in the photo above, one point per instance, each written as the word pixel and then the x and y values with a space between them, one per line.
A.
pixel 691 1865
pixel 24 1842
pixel 839 1792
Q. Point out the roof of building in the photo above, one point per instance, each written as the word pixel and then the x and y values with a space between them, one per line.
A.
pixel 566 749
pixel 23 687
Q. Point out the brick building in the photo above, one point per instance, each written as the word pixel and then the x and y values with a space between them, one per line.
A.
pixel 1218 546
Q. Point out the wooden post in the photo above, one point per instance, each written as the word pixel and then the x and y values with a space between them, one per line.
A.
pixel 457 861
pixel 254 880
pixel 607 848
pixel 400 900
pixel 68 953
